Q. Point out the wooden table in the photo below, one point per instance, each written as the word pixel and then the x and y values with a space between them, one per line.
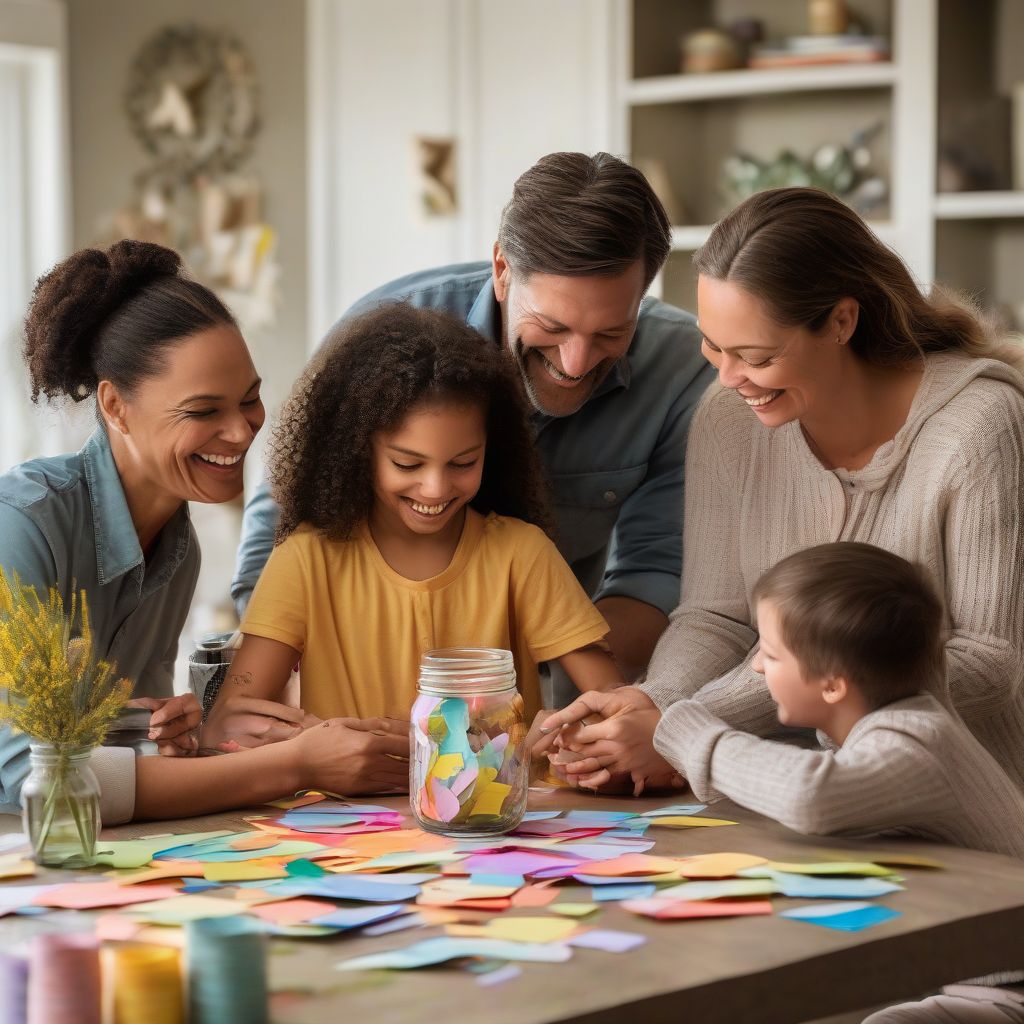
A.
pixel 958 923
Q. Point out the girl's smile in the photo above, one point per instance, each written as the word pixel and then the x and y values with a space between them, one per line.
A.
pixel 427 471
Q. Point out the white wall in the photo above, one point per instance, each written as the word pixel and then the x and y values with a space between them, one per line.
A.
pixel 104 37
pixel 509 81
pixel 33 205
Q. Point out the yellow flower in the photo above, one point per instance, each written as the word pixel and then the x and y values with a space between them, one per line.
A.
pixel 52 686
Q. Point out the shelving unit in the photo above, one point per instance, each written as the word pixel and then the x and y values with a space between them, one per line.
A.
pixel 979 205
pixel 726 84
pixel 943 52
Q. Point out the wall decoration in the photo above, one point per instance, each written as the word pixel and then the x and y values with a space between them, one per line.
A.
pixel 435 176
pixel 192 102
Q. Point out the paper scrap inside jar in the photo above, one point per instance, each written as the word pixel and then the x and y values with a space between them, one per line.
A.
pixel 465 766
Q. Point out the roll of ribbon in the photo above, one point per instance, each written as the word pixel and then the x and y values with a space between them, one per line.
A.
pixel 64 979
pixel 142 984
pixel 227 977
pixel 13 988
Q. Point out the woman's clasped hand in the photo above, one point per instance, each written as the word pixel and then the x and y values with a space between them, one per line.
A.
pixel 591 752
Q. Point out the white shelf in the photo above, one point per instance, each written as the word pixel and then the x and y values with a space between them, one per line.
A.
pixel 978 205
pixel 726 84
pixel 689 237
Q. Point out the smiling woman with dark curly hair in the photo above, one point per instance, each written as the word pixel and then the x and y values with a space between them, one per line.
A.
pixel 413 517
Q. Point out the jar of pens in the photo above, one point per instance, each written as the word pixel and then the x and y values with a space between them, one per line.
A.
pixel 469 765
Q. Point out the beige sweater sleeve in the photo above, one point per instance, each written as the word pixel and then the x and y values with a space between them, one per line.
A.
pixel 114 768
pixel 709 633
pixel 885 781
pixel 984 554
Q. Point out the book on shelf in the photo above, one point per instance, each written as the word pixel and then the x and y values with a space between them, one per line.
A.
pixel 802 51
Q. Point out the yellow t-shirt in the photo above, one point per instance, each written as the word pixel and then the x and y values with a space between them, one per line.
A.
pixel 361 628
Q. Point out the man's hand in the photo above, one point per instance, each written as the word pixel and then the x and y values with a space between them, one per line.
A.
pixel 634 630
pixel 173 723
pixel 356 756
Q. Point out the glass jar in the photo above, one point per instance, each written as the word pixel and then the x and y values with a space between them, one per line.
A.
pixel 60 806
pixel 469 767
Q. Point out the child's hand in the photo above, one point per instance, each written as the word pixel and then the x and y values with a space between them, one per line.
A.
pixel 356 755
pixel 245 722
pixel 173 723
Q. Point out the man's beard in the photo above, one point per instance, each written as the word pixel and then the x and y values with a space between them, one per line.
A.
pixel 520 354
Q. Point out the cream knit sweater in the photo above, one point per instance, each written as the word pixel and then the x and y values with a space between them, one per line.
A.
pixel 947 491
pixel 910 768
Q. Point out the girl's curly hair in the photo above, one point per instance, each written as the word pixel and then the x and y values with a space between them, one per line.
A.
pixel 368 375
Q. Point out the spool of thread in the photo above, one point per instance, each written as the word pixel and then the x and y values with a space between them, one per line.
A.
pixel 227 974
pixel 64 979
pixel 13 988
pixel 142 984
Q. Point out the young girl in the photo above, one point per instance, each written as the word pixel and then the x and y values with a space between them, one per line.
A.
pixel 412 518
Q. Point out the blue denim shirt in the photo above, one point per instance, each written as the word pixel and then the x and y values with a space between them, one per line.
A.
pixel 615 466
pixel 64 522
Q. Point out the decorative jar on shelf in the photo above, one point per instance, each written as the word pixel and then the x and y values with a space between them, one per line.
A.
pixel 60 803
pixel 469 764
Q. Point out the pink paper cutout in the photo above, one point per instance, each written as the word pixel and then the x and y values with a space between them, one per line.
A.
pixel 446 802
pixel 464 779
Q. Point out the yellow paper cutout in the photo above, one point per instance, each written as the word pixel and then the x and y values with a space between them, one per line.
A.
pixel 446 766
pixel 179 909
pixel 909 860
pixel 718 865
pixel 160 870
pixel 832 868
pixel 444 892
pixel 242 871
pixel 682 821
pixel 573 909
pixel 490 801
pixel 16 867
pixel 530 929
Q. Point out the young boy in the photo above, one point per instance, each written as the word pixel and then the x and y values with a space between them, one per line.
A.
pixel 851 645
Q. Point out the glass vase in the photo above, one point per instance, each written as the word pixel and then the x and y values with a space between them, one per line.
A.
pixel 60 806
pixel 469 767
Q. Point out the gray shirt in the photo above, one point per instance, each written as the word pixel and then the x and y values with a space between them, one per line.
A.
pixel 64 522
pixel 615 466
pixel 909 768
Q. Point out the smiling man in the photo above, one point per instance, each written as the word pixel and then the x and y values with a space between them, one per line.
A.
pixel 613 378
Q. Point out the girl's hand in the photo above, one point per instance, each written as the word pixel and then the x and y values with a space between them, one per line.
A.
pixel 356 755
pixel 245 722
pixel 173 723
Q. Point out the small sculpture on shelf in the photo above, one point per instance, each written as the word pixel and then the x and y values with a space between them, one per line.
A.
pixel 709 49
pixel 844 169
pixel 827 17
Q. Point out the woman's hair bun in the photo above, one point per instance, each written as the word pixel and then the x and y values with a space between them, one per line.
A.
pixel 134 264
pixel 70 305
